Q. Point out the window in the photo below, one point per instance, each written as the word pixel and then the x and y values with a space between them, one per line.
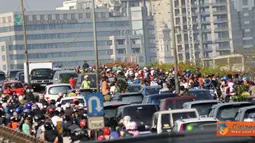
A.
pixel 87 15
pixel 245 2
pixel 34 18
pixel 4 20
pixel 57 17
pixel 2 48
pixel 246 14
pixel 26 18
pixel 97 15
pixel 73 16
pixel 71 7
pixel 80 16
pixel 135 50
pixel 121 41
pixel 152 41
pixel 121 51
pixel 65 16
pixel 247 30
pixel 9 19
pixel 42 17
pixel 141 59
pixel 103 15
pixel 246 22
pixel 4 67
pixel 49 17
pixel 3 57
pixel 57 89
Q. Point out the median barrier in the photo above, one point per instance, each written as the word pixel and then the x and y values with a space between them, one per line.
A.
pixel 8 135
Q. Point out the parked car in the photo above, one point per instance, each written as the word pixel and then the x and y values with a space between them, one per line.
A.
pixel 174 103
pixel 14 86
pixel 155 98
pixel 164 120
pixel 110 108
pixel 20 76
pixel 244 113
pixel 150 90
pixel 200 94
pixel 70 100
pixel 203 106
pixel 83 92
pixel 51 91
pixel 140 113
pixel 130 98
pixel 194 124
pixel 12 74
pixel 227 111
pixel 62 75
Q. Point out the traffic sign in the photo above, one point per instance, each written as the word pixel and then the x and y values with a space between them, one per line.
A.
pixel 95 104
pixel 95 123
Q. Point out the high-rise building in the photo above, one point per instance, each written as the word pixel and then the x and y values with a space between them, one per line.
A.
pixel 65 37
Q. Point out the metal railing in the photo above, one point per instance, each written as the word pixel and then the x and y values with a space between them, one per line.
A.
pixel 8 135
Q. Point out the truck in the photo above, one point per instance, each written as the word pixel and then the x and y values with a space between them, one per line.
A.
pixel 41 74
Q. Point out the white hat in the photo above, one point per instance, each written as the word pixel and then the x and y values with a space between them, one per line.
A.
pixel 68 105
pixel 86 76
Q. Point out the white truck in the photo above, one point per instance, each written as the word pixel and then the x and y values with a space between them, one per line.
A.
pixel 41 73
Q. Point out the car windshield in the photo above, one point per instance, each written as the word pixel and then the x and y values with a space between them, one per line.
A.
pixel 21 77
pixel 13 74
pixel 14 85
pixel 200 95
pixel 203 108
pixel 151 90
pixel 64 101
pixel 156 99
pixel 110 111
pixel 85 93
pixel 184 115
pixel 55 90
pixel 197 125
pixel 141 113
pixel 250 113
pixel 134 88
pixel 228 113
pixel 68 75
pixel 42 73
pixel 134 98
pixel 176 104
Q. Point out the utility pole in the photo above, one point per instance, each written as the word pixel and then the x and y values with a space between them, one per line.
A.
pixel 177 86
pixel 25 43
pixel 95 44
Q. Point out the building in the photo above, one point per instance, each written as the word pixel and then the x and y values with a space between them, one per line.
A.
pixel 65 37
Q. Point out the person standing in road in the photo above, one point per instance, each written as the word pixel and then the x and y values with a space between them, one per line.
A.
pixel 86 83
pixel 72 82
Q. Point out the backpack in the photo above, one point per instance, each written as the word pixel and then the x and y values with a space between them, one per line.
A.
pixel 59 127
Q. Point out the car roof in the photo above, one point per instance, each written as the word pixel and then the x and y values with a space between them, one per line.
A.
pixel 66 71
pixel 12 81
pixel 190 120
pixel 231 103
pixel 115 103
pixel 203 101
pixel 163 94
pixel 247 108
pixel 77 97
pixel 178 98
pixel 153 86
pixel 175 111
pixel 198 90
pixel 128 93
pixel 59 84
pixel 137 105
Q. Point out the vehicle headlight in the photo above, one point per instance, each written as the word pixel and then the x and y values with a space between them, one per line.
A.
pixel 147 127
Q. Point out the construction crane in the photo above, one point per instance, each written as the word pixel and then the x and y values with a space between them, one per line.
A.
pixel 190 31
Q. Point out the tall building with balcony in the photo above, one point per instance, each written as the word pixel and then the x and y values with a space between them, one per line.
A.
pixel 65 37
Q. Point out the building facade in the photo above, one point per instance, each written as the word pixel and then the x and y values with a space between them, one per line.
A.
pixel 65 37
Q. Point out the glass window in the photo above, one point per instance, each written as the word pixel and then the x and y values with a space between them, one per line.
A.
pixel 141 59
pixel 121 41
pixel 3 57
pixel 55 90
pixel 88 15
pixel 49 16
pixel 4 20
pixel 4 67
pixel 73 16
pixel 42 17
pixel 80 15
pixel 184 115
pixel 9 19
pixel 103 15
pixel 34 18
pixel 57 17
pixel 65 16
pixel 2 48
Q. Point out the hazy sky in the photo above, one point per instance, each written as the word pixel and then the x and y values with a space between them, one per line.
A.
pixel 34 5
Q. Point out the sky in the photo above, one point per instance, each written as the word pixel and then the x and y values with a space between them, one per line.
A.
pixel 33 5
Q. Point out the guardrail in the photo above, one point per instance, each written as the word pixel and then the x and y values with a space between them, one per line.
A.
pixel 204 136
pixel 7 135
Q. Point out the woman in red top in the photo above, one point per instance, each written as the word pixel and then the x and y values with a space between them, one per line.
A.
pixel 72 82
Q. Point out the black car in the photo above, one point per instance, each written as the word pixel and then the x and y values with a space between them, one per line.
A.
pixel 201 94
pixel 140 113
pixel 110 108
pixel 130 98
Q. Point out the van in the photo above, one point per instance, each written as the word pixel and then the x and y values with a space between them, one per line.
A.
pixel 164 120
pixel 174 103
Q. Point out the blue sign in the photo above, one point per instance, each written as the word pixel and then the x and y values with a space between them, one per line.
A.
pixel 95 104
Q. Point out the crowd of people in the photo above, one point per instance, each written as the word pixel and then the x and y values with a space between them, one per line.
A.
pixel 43 119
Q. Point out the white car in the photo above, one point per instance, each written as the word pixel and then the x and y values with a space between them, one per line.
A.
pixel 51 91
pixel 194 124
pixel 65 100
